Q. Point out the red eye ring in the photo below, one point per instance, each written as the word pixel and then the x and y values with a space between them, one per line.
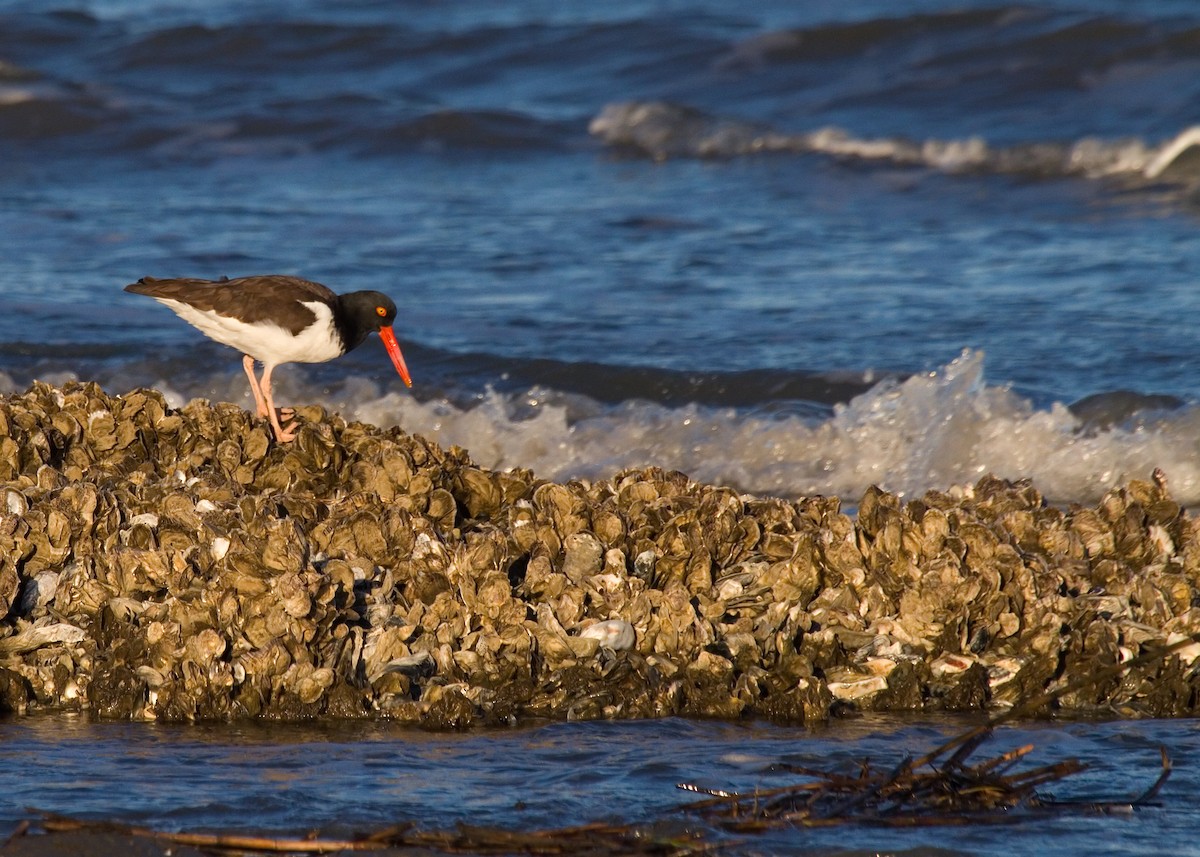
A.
pixel 380 311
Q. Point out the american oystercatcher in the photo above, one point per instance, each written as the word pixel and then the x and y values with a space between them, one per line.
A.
pixel 277 319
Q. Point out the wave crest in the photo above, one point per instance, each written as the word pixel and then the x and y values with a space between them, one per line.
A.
pixel 662 130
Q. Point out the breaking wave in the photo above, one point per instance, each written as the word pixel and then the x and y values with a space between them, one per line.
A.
pixel 662 130
pixel 930 431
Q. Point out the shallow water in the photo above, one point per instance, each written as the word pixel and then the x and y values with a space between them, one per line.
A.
pixel 354 777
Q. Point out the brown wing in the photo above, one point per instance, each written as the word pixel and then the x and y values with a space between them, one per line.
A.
pixel 272 297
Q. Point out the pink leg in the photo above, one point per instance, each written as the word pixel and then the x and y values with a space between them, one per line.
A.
pixel 259 399
pixel 280 434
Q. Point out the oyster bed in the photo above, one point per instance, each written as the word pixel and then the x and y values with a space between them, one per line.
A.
pixel 178 564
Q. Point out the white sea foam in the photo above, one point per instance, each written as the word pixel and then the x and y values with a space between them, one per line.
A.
pixel 932 431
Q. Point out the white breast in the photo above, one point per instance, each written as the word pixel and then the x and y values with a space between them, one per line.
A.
pixel 266 342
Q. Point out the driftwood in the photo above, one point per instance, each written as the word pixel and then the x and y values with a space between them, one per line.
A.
pixel 915 793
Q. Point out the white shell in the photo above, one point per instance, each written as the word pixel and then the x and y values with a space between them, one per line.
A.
pixel 219 547
pixel 858 688
pixel 615 634
pixel 16 503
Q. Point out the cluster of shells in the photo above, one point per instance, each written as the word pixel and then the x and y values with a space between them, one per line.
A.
pixel 178 564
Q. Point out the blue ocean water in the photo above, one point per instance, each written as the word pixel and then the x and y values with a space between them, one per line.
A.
pixel 348 779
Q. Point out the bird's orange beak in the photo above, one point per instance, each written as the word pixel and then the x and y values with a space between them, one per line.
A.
pixel 393 350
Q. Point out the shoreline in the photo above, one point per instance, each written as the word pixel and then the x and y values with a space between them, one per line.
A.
pixel 177 564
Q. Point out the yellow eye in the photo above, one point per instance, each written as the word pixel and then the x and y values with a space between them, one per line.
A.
pixel 380 311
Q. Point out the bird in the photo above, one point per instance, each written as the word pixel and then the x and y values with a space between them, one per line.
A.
pixel 276 319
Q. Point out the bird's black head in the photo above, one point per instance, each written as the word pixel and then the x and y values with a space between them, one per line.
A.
pixel 361 313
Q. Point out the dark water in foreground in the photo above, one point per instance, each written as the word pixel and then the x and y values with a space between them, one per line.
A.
pixel 347 778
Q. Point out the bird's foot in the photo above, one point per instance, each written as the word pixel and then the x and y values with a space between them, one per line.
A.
pixel 283 433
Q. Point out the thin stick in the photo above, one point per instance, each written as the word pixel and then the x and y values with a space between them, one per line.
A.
pixel 20 830
pixel 1152 792
pixel 53 822
pixel 862 797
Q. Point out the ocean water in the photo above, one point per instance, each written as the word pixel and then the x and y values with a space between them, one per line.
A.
pixel 794 248
pixel 347 779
